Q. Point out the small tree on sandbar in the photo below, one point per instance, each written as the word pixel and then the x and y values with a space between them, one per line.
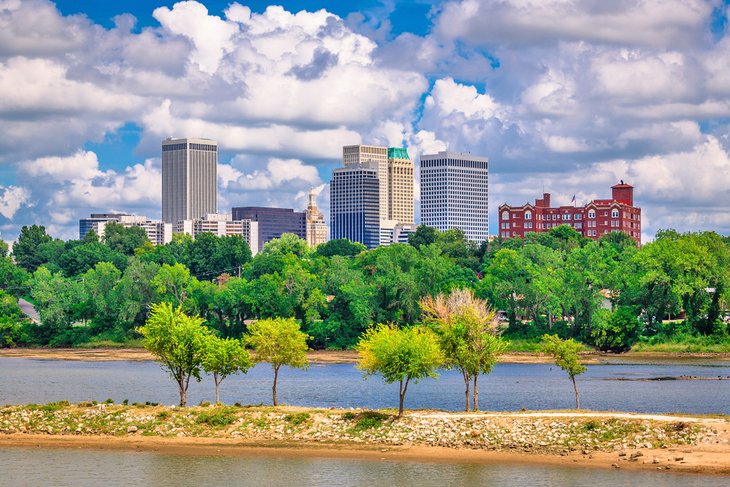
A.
pixel 399 355
pixel 467 334
pixel 565 353
pixel 178 342
pixel 279 341
pixel 224 357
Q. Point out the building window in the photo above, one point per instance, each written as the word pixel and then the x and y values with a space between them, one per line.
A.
pixel 614 213
pixel 591 213
pixel 528 215
pixel 505 215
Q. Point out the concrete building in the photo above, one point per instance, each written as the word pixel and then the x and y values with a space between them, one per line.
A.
pixel 158 233
pixel 189 179
pixel 392 232
pixel 400 186
pixel 273 222
pixel 317 230
pixel 377 157
pixel 455 193
pixel 599 217
pixel 222 225
pixel 355 203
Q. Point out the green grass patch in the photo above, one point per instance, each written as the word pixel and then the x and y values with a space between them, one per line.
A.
pixel 217 417
pixel 50 407
pixel 298 418
pixel 368 420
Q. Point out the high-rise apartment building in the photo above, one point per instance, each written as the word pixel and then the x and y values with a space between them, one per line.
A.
pixel 158 233
pixel 599 217
pixel 400 186
pixel 316 227
pixel 355 204
pixel 377 157
pixel 222 225
pixel 454 193
pixel 189 179
pixel 273 222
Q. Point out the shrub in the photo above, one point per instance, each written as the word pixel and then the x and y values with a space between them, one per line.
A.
pixel 216 417
pixel 297 419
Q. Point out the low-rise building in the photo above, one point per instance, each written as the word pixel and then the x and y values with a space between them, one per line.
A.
pixel 222 225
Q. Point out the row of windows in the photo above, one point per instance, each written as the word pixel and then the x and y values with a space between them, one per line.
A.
pixel 567 216
pixel 455 162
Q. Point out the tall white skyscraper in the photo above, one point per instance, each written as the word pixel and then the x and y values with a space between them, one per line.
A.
pixel 454 193
pixel 189 179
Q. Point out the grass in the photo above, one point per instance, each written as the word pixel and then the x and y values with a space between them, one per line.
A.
pixel 297 418
pixel 217 417
pixel 365 420
pixel 134 343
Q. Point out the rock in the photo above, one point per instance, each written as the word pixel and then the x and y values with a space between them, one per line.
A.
pixel 622 453
pixel 131 429
pixel 636 455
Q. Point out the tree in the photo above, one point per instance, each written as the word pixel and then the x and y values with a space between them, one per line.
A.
pixel 179 343
pixel 616 332
pixel 172 283
pixel 400 355
pixel 224 357
pixel 565 353
pixel 279 341
pixel 467 335
pixel 26 249
pixel 124 239
pixel 341 246
pixel 424 235
pixel 288 243
pixel 3 249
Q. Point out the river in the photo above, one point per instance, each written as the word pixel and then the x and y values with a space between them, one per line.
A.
pixel 510 387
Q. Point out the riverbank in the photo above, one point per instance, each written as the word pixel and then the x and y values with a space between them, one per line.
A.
pixel 595 439
pixel 348 356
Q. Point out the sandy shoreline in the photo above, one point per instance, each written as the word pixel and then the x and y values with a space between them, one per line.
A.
pixel 691 444
pixel 339 356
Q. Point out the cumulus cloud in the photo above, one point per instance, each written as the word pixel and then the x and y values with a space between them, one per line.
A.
pixel 11 199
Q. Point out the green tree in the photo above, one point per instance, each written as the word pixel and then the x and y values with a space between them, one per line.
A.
pixel 616 332
pixel 288 243
pixel 3 249
pixel 279 341
pixel 124 239
pixel 13 279
pixel 27 249
pixel 467 335
pixel 224 357
pixel 341 246
pixel 400 355
pixel 424 235
pixel 172 283
pixel 565 353
pixel 99 284
pixel 178 341
pixel 10 318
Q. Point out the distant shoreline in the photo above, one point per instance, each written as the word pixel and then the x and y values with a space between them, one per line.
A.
pixel 687 444
pixel 343 356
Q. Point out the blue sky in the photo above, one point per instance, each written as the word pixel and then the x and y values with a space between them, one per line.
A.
pixel 566 95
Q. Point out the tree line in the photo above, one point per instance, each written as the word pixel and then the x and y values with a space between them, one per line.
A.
pixel 607 293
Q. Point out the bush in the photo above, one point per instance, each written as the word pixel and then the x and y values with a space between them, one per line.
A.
pixel 297 419
pixel 615 332
pixel 216 417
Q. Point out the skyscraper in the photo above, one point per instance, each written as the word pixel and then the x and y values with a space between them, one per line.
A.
pixel 355 203
pixel 316 227
pixel 454 193
pixel 189 179
pixel 378 157
pixel 273 221
pixel 400 186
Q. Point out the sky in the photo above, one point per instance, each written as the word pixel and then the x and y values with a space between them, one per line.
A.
pixel 562 96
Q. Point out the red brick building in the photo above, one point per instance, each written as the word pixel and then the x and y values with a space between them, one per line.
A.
pixel 597 218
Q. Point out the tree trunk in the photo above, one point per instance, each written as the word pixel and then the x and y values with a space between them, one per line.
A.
pixel 466 383
pixel 217 383
pixel 183 392
pixel 276 376
pixel 402 393
pixel 575 388
pixel 475 403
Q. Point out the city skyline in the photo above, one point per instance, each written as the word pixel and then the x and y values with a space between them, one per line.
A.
pixel 565 97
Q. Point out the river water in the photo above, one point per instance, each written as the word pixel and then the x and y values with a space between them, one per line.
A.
pixel 510 387
pixel 82 468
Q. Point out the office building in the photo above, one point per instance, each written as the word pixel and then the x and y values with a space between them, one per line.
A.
pixel 158 233
pixel 316 227
pixel 455 193
pixel 598 217
pixel 355 204
pixel 377 157
pixel 222 225
pixel 392 232
pixel 400 186
pixel 189 179
pixel 273 222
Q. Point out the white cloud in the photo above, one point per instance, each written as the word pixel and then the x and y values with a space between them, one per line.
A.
pixel 81 165
pixel 11 199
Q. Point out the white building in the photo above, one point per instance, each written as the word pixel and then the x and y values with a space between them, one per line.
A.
pixel 222 225
pixel 189 179
pixel 391 231
pixel 158 233
pixel 455 193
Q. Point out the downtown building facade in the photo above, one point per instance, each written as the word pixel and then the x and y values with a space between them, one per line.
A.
pixel 455 193
pixel 158 232
pixel 598 217
pixel 273 222
pixel 351 214
pixel 189 179
pixel 317 230
pixel 222 225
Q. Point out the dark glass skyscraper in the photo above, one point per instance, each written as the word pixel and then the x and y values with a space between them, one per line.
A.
pixel 354 204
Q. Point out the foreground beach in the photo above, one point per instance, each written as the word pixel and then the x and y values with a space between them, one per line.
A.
pixel 338 356
pixel 592 439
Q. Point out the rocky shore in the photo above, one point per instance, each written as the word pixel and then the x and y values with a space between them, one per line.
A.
pixel 621 439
